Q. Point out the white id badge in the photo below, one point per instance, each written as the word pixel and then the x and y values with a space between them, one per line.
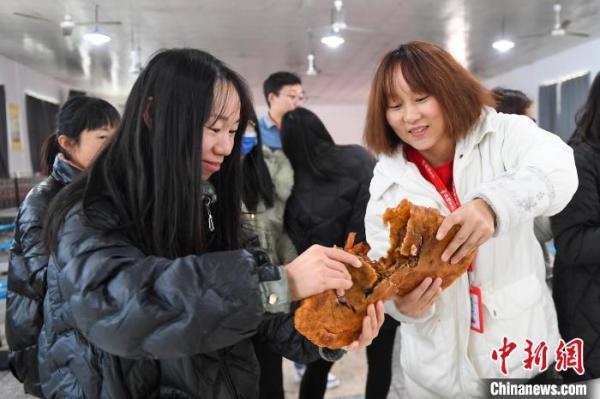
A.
pixel 476 309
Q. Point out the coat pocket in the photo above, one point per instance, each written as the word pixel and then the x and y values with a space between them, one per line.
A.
pixel 512 300
pixel 513 314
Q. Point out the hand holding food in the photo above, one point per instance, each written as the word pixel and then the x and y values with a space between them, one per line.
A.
pixel 414 255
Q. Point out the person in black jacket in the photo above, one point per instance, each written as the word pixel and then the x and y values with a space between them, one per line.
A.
pixel 151 293
pixel 577 238
pixel 328 201
pixel 84 124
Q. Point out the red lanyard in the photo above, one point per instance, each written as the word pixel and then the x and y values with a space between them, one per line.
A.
pixel 453 203
pixel 450 198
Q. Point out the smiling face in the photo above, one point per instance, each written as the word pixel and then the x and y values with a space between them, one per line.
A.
pixel 418 120
pixel 218 136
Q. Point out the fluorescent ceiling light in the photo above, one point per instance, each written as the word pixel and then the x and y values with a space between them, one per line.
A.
pixel 503 45
pixel 96 38
pixel 332 40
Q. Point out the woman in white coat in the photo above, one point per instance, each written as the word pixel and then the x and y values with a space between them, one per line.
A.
pixel 441 145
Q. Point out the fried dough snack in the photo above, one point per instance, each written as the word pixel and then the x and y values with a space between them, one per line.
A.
pixel 413 255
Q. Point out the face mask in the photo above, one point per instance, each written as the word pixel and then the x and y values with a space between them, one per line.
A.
pixel 249 140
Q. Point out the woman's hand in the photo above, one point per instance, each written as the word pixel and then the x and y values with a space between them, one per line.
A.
pixel 477 226
pixel 319 269
pixel 371 325
pixel 418 302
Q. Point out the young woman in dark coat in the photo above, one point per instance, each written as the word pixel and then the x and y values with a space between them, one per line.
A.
pixel 328 201
pixel 84 125
pixel 151 293
pixel 577 239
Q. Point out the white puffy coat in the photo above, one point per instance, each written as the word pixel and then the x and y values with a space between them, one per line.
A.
pixel 522 172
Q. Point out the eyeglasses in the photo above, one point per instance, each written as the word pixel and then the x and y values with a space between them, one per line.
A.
pixel 298 99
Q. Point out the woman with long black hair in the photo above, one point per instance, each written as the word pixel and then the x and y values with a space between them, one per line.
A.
pixel 576 236
pixel 328 201
pixel 150 290
pixel 84 126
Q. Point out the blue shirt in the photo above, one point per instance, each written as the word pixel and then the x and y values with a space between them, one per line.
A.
pixel 269 133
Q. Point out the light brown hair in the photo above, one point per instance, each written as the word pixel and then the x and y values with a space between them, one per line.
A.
pixel 428 69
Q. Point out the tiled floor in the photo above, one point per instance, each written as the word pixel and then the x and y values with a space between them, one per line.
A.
pixel 351 371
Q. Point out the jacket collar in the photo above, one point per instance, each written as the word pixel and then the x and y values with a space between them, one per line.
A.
pixel 480 130
pixel 269 123
pixel 208 192
pixel 63 171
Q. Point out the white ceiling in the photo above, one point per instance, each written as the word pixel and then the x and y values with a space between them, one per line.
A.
pixel 257 37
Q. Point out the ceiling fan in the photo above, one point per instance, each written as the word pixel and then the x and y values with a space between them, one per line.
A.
pixel 338 24
pixel 560 27
pixel 67 24
pixel 503 43
pixel 338 19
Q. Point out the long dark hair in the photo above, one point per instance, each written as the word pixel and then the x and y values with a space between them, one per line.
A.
pixel 258 184
pixel 151 174
pixel 79 113
pixel 305 140
pixel 588 118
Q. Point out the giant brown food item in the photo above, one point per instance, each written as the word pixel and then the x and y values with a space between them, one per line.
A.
pixel 413 255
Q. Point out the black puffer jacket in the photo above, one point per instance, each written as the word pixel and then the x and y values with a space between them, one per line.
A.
pixel 121 324
pixel 27 277
pixel 577 265
pixel 324 212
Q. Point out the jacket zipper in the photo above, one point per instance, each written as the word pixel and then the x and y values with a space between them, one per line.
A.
pixel 227 376
pixel 211 223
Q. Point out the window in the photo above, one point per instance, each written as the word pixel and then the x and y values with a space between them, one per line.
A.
pixel 41 122
pixel 559 103
pixel 547 107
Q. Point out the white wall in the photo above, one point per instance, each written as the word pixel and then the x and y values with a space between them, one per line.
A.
pixel 19 80
pixel 574 61
pixel 344 122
